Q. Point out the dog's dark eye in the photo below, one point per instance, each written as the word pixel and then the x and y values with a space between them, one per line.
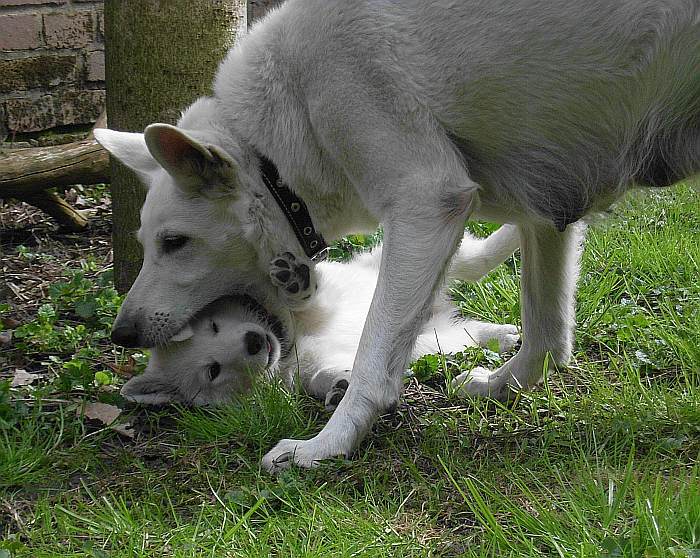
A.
pixel 214 371
pixel 172 243
pixel 215 327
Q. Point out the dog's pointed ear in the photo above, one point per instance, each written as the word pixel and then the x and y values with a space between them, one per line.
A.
pixel 129 148
pixel 192 163
pixel 184 334
pixel 150 389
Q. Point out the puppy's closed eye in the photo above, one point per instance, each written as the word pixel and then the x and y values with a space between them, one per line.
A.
pixel 215 327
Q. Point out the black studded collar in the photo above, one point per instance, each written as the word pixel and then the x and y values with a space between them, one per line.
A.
pixel 295 210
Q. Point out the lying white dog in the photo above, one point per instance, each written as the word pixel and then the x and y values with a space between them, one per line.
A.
pixel 220 352
pixel 416 114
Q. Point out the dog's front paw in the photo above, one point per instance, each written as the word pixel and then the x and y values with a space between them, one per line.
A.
pixel 302 453
pixel 295 280
pixel 339 438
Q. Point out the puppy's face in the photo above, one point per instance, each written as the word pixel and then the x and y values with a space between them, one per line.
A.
pixel 215 357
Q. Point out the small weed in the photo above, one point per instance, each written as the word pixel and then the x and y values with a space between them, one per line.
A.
pixel 78 315
pixel 343 249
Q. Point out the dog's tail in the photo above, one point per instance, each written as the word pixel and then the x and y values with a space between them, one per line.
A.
pixel 477 256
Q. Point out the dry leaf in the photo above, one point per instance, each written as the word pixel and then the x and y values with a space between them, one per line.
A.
pixel 5 338
pixel 102 412
pixel 23 378
pixel 11 323
pixel 126 370
pixel 124 428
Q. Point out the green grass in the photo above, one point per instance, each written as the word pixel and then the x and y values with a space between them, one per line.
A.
pixel 602 460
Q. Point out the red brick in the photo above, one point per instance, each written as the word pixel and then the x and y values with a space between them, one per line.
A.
pixel 27 115
pixel 42 71
pixel 96 66
pixel 48 111
pixel 68 30
pixel 79 107
pixel 20 31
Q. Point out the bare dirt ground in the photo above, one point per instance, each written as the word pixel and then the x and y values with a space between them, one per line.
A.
pixel 47 249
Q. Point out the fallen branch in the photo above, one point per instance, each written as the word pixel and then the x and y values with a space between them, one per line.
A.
pixel 63 213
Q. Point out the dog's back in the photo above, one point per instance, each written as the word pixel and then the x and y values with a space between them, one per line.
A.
pixel 556 106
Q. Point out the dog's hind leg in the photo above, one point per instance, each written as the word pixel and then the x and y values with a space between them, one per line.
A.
pixel 478 256
pixel 450 336
pixel 550 265
pixel 329 385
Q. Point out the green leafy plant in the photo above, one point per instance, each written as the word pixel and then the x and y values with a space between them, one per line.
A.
pixel 80 312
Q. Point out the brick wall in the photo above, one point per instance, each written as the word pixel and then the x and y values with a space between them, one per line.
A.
pixel 51 64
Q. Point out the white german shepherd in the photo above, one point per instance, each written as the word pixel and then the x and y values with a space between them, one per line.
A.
pixel 233 340
pixel 416 114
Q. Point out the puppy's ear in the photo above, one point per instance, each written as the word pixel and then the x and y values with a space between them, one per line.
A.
pixel 150 389
pixel 184 334
pixel 130 149
pixel 192 164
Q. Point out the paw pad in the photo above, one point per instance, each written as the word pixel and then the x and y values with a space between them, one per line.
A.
pixel 284 275
pixel 289 275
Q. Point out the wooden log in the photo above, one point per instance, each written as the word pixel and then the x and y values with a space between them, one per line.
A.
pixel 27 171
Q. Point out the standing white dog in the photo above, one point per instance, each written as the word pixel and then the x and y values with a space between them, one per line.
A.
pixel 234 340
pixel 415 114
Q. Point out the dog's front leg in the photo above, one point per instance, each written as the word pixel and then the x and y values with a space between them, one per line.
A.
pixel 550 266
pixel 418 243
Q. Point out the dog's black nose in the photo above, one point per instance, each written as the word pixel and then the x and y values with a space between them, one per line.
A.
pixel 126 336
pixel 254 342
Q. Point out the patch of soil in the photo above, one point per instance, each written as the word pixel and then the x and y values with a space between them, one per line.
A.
pixel 35 252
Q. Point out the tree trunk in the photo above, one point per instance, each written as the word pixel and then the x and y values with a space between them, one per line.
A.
pixel 160 57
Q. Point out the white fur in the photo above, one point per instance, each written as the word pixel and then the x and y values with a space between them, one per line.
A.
pixel 327 334
pixel 415 114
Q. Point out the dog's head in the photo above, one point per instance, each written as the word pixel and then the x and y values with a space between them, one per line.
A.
pixel 214 357
pixel 207 229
